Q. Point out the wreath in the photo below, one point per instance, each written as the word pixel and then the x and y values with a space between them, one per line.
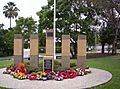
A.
pixel 32 76
pixel 64 74
pixel 71 74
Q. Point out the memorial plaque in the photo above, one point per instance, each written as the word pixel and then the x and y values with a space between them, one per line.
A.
pixel 47 64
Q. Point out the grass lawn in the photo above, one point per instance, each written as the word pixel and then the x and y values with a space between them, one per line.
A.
pixel 111 64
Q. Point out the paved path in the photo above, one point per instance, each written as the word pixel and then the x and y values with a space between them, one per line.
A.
pixel 6 58
pixel 97 77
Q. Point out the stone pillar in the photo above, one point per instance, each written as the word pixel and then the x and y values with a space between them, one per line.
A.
pixel 81 51
pixel 18 49
pixel 48 62
pixel 49 43
pixel 65 51
pixel 34 54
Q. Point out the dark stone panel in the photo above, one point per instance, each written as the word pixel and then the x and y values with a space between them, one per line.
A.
pixel 33 36
pixel 82 37
pixel 65 37
pixel 18 36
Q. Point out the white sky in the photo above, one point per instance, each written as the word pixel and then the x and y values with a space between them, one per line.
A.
pixel 27 8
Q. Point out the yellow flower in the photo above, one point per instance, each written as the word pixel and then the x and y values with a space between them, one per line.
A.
pixel 44 74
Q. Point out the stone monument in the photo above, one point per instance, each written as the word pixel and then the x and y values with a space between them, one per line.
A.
pixel 48 62
pixel 81 51
pixel 18 49
pixel 34 54
pixel 65 51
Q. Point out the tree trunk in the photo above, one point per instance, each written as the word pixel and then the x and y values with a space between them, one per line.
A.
pixel 108 49
pixel 103 48
pixel 114 48
pixel 114 45
pixel 10 22
pixel 73 50
pixel 116 24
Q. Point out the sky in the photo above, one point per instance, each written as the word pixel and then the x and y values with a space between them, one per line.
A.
pixel 27 8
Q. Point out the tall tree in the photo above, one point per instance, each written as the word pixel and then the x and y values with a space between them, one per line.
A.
pixel 74 17
pixel 25 26
pixel 45 22
pixel 3 42
pixel 9 40
pixel 10 11
pixel 110 11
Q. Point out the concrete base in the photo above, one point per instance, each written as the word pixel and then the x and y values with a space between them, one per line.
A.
pixel 34 61
pixel 18 59
pixel 65 61
pixel 97 77
pixel 81 63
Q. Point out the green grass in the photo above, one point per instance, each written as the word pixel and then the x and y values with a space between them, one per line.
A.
pixel 5 63
pixel 111 64
pixel 7 57
pixel 4 88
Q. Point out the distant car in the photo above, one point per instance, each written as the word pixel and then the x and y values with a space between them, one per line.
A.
pixel 106 49
pixel 42 50
pixel 89 49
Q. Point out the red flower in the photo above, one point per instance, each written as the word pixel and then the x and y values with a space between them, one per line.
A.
pixel 47 71
pixel 22 70
pixel 22 65
pixel 71 74
pixel 31 77
pixel 64 74
pixel 85 72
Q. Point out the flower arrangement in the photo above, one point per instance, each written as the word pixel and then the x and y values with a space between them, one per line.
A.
pixel 9 70
pixel 44 76
pixel 20 76
pixel 71 74
pixel 58 77
pixel 87 69
pixel 39 75
pixel 33 76
pixel 21 73
pixel 21 68
pixel 64 74
pixel 51 75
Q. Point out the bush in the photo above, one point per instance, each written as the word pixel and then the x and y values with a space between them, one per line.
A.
pixel 72 64
pixel 31 69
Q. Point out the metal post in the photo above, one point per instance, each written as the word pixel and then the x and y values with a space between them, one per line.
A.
pixel 54 29
pixel 95 41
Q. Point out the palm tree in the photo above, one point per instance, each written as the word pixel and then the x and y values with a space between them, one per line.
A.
pixel 10 11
